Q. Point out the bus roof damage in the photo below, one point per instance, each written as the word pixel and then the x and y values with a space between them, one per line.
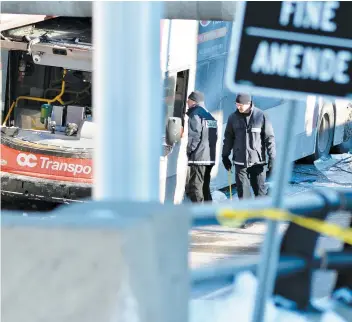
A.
pixel 47 156
pixel 63 42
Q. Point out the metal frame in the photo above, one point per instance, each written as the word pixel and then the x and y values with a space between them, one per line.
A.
pixel 223 273
pixel 73 51
pixel 77 57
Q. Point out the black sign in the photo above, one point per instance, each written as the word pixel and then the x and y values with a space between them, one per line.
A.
pixel 290 48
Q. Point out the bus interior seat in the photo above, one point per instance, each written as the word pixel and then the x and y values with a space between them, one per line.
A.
pixel 75 114
pixel 57 115
pixel 86 129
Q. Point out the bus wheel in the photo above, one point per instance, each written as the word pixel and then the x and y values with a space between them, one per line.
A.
pixel 325 132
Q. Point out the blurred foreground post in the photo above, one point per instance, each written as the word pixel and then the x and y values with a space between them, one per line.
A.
pixel 127 100
pixel 270 250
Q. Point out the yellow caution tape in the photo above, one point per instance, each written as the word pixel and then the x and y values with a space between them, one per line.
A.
pixel 235 218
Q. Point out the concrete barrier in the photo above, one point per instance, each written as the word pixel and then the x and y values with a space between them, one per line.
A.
pixel 123 263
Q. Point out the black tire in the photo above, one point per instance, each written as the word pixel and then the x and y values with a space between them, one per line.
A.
pixel 325 132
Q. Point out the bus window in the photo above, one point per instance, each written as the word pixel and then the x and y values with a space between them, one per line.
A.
pixel 175 95
pixel 169 96
pixel 181 94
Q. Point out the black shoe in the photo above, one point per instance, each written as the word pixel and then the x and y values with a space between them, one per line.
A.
pixel 343 295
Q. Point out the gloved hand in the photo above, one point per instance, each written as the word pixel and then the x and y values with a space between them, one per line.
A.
pixel 270 168
pixel 227 163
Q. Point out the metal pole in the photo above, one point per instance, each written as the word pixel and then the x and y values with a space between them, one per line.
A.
pixel 127 100
pixel 166 40
pixel 167 55
pixel 271 247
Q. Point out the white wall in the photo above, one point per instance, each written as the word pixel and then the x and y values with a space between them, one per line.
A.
pixel 183 45
pixel 182 56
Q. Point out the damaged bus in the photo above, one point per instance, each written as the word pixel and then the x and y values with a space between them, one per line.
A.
pixel 47 131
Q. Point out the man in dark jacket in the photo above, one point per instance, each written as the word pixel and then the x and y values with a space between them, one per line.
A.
pixel 201 148
pixel 249 135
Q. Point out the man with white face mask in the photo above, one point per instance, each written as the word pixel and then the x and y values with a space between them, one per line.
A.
pixel 249 135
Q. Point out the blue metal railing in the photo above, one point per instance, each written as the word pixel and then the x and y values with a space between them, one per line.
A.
pixel 315 203
pixel 312 202
pixel 208 279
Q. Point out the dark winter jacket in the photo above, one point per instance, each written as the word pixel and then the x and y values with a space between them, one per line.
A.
pixel 249 138
pixel 202 136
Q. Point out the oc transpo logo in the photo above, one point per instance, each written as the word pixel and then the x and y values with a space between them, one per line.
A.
pixel 31 161
pixel 26 160
pixel 204 23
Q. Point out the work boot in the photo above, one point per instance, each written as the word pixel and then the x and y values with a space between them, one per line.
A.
pixel 343 295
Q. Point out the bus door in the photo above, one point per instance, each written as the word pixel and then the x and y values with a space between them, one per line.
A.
pixel 176 85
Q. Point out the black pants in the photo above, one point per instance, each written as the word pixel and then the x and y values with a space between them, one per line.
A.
pixel 198 183
pixel 246 178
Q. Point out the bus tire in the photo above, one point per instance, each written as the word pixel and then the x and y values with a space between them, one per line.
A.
pixel 325 132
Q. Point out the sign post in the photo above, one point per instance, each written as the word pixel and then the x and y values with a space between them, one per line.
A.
pixel 288 49
pixel 271 248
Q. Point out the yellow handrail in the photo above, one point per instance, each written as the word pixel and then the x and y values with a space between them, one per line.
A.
pixel 39 99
